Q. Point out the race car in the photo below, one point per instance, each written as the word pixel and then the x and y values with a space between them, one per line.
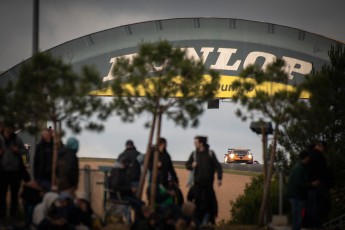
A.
pixel 238 156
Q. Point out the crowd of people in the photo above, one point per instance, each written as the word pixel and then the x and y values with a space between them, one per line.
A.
pixel 49 197
pixel 53 204
pixel 47 204
pixel 170 210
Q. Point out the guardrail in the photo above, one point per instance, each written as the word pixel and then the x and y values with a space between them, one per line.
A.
pixel 235 166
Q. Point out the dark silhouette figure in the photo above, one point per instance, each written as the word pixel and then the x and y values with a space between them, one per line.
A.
pixel 205 165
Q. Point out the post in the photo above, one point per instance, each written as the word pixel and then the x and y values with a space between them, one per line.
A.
pixel 155 163
pixel 265 156
pixel 263 128
pixel 35 32
pixel 87 183
pixel 280 192
pixel 264 151
pixel 35 29
pixel 147 158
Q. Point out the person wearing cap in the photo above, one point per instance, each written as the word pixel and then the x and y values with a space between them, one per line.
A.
pixel 204 166
pixel 134 167
pixel 68 167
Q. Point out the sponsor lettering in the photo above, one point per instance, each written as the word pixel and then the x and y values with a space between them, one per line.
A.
pixel 226 61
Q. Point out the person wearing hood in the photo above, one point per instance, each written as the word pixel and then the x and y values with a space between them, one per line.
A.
pixel 134 168
pixel 67 171
pixel 41 210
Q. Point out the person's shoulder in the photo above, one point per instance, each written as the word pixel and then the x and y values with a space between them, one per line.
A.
pixel 137 152
pixel 211 153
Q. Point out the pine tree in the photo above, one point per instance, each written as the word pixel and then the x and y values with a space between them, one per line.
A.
pixel 49 90
pixel 265 96
pixel 161 80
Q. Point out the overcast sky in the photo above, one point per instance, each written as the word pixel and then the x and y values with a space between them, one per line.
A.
pixel 63 20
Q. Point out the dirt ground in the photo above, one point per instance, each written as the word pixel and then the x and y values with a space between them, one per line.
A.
pixel 232 187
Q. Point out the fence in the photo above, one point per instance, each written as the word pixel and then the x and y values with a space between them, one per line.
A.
pixel 91 186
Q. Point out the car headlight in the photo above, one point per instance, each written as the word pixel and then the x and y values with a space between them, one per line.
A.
pixel 232 155
pixel 250 156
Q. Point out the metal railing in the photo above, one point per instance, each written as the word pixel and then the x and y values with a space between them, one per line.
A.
pixel 337 223
pixel 91 187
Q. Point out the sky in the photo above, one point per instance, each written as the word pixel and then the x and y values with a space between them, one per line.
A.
pixel 63 20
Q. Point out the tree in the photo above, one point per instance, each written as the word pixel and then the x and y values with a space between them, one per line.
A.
pixel 265 95
pixel 161 80
pixel 322 117
pixel 49 90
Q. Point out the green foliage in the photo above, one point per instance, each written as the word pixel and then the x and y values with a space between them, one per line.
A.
pixel 162 79
pixel 245 209
pixel 265 103
pixel 49 90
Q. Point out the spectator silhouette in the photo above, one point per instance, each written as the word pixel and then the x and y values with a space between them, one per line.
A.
pixel 297 189
pixel 120 184
pixel 166 171
pixel 204 166
pixel 43 160
pixel 41 209
pixel 68 167
pixel 319 202
pixel 12 169
pixel 134 167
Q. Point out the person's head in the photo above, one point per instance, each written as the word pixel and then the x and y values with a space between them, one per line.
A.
pixel 125 161
pixel 48 200
pixel 51 130
pixel 200 142
pixel 129 144
pixel 72 144
pixel 320 146
pixel 162 144
pixel 7 131
pixel 304 157
pixel 188 209
pixel 47 135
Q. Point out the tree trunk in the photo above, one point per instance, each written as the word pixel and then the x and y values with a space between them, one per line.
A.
pixel 264 151
pixel 155 162
pixel 147 158
pixel 267 181
pixel 55 156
